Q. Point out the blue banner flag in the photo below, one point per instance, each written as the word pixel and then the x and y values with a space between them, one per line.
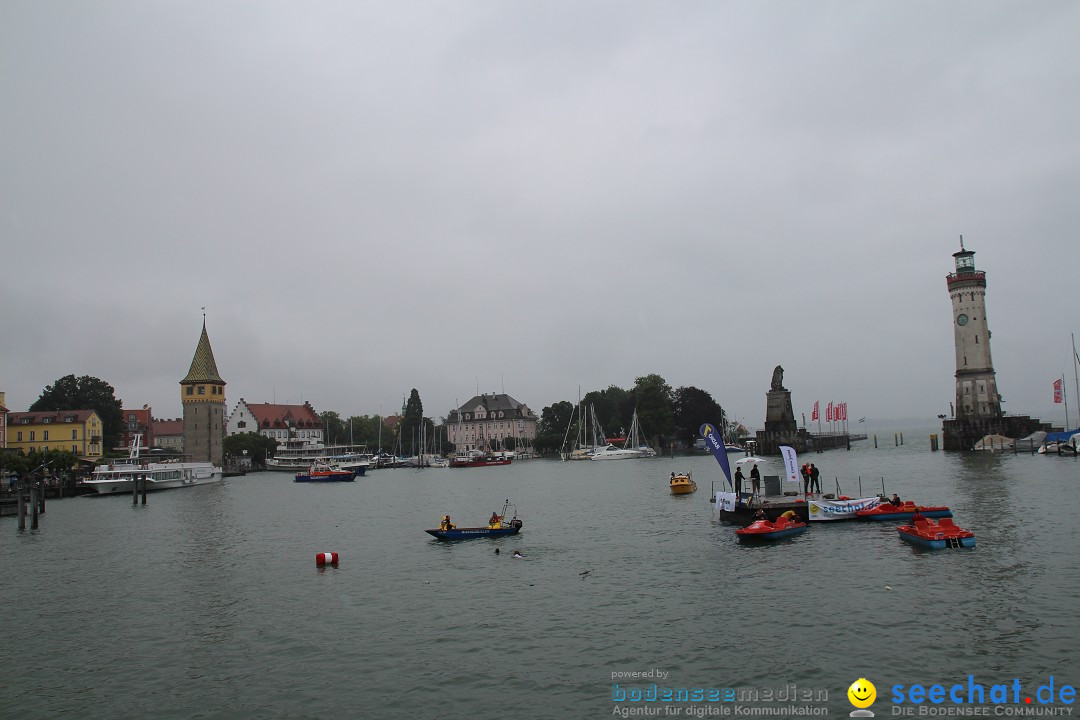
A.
pixel 714 440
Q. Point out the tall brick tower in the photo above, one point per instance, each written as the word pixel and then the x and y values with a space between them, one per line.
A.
pixel 202 394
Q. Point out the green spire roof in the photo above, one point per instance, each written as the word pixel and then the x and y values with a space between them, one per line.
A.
pixel 203 367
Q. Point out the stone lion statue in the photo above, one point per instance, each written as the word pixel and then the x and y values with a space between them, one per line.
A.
pixel 778 378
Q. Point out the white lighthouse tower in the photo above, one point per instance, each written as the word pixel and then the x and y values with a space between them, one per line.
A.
pixel 976 386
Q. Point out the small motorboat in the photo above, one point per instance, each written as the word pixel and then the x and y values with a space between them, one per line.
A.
pixel 497 526
pixel 936 535
pixel 682 484
pixel 322 471
pixel 780 528
pixel 904 511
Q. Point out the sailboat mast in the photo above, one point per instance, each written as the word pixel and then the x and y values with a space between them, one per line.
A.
pixel 1076 379
pixel 1065 397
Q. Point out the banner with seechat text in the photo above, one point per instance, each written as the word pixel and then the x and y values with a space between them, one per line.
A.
pixel 791 463
pixel 839 509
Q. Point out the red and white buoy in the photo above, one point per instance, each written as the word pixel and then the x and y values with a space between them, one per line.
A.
pixel 326 558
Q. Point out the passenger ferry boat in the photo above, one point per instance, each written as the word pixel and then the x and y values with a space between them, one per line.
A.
pixel 297 455
pixel 119 476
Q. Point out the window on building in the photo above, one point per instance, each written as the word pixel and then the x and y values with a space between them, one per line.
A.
pixel 18 437
pixel 46 420
pixel 32 438
pixel 74 449
pixel 202 389
pixel 74 434
pixel 241 424
pixel 190 390
pixel 45 435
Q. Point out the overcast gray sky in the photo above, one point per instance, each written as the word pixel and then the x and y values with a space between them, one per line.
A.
pixel 536 196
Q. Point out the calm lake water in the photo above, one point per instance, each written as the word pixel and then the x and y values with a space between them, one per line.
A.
pixel 207 603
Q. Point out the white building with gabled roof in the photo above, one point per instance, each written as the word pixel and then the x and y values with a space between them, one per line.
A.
pixel 490 417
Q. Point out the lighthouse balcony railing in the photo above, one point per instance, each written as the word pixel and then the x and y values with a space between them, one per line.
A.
pixel 977 275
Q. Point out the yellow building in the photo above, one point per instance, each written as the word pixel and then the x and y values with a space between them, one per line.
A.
pixel 78 431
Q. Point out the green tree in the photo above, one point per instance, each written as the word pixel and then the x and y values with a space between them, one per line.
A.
pixel 13 462
pixel 693 408
pixel 552 426
pixel 86 393
pixel 654 401
pixel 336 432
pixel 259 447
pixel 614 407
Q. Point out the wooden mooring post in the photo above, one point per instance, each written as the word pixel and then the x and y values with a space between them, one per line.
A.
pixel 138 486
pixel 22 506
pixel 34 493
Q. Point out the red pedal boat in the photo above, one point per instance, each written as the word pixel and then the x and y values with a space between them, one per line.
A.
pixel 782 527
pixel 888 511
pixel 936 535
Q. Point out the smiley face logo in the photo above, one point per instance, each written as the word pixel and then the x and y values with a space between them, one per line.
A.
pixel 862 693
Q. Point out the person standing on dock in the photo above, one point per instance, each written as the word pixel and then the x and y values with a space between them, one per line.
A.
pixel 755 479
pixel 805 470
pixel 738 482
pixel 815 479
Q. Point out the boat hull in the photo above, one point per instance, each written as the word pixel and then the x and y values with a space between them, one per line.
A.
pixel 873 514
pixel 937 543
pixel 765 530
pixel 773 535
pixel 936 536
pixel 322 477
pixel 122 485
pixel 617 455
pixel 471 533
pixel 488 462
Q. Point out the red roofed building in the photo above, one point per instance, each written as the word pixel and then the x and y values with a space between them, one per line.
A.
pixel 168 434
pixel 279 422
pixel 137 422
pixel 79 431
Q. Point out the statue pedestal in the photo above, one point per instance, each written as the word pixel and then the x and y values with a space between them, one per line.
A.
pixel 780 426
pixel 779 417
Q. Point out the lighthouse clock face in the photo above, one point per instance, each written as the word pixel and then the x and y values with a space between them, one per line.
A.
pixel 961 319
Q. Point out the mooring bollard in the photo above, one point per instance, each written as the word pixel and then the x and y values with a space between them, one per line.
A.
pixel 933 443
pixel 144 483
pixel 22 506
pixel 34 506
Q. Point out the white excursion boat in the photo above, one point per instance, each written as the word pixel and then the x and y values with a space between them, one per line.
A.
pixel 296 455
pixel 120 476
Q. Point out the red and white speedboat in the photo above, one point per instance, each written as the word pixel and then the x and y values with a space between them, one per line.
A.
pixel 321 471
